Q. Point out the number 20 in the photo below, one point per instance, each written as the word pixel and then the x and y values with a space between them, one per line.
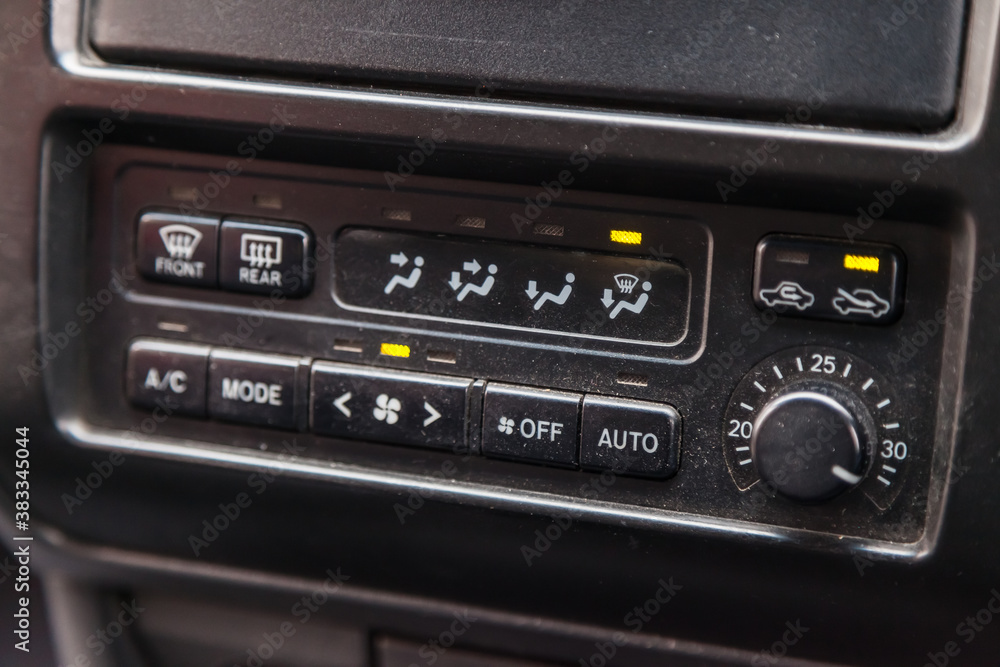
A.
pixel 740 429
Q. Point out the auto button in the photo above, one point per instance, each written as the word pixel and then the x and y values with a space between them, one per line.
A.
pixel 629 437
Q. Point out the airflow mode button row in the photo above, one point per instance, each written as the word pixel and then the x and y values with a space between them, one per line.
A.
pixel 526 288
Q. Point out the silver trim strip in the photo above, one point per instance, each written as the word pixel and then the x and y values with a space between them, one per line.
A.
pixel 72 52
pixel 490 496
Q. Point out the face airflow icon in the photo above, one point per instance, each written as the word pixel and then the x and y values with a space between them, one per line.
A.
pixel 180 240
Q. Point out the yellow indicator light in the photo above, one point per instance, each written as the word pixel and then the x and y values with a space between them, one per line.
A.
pixel 623 236
pixel 395 350
pixel 861 263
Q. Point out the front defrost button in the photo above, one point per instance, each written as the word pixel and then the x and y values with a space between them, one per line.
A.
pixel 178 248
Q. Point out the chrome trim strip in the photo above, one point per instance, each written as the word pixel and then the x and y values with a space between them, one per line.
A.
pixel 490 496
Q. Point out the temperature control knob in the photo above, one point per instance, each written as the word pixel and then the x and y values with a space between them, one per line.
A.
pixel 808 445
pixel 812 423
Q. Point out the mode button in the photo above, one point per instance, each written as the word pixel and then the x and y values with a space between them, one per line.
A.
pixel 254 388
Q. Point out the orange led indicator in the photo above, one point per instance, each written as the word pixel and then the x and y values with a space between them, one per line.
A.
pixel 395 350
pixel 624 236
pixel 861 263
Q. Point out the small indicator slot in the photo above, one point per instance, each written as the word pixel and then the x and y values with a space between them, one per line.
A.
pixel 791 257
pixel 342 345
pixel 441 356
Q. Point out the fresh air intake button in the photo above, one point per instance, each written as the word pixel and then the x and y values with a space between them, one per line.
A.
pixel 253 388
pixel 178 248
pixel 389 406
pixel 531 424
pixel 265 257
pixel 828 279
pixel 629 437
pixel 167 375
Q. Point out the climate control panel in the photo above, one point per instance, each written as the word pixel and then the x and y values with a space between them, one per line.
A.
pixel 672 363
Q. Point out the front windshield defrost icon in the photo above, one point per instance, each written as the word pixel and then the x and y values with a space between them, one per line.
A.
pixel 180 241
pixel 862 301
pixel 788 293
pixel 626 282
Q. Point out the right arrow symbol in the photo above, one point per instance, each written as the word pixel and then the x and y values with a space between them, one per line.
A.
pixel 434 414
pixel 341 404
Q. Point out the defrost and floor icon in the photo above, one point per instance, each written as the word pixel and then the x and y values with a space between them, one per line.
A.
pixel 400 259
pixel 788 293
pixel 387 409
pixel 558 299
pixel 626 282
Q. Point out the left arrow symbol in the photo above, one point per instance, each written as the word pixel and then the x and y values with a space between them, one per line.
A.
pixel 434 414
pixel 341 404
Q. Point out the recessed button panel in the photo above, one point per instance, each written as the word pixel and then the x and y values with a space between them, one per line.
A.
pixel 573 293
pixel 406 408
pixel 167 375
pixel 178 248
pixel 531 424
pixel 829 279
pixel 253 388
pixel 265 258
pixel 629 437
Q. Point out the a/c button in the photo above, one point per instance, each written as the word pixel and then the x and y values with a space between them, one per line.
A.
pixel 629 437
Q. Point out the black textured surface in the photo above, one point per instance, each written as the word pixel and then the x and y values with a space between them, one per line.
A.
pixel 738 591
pixel 854 62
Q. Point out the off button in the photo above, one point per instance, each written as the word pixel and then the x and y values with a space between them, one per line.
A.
pixel 531 424
pixel 630 437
